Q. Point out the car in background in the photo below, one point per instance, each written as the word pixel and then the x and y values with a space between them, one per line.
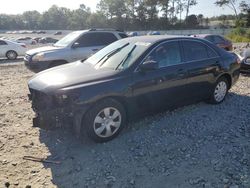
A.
pixel 133 34
pixel 58 33
pixel 37 39
pixel 245 61
pixel 129 77
pixel 47 40
pixel 77 45
pixel 26 40
pixel 11 50
pixel 154 33
pixel 217 40
pixel 41 32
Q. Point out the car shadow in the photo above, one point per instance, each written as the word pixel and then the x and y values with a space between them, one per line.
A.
pixel 148 152
pixel 7 61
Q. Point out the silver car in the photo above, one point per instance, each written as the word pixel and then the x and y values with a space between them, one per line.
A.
pixel 78 45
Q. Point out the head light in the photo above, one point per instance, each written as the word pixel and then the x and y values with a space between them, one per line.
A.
pixel 62 99
pixel 38 57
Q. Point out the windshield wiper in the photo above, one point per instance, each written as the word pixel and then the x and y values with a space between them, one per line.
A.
pixel 110 54
pixel 121 64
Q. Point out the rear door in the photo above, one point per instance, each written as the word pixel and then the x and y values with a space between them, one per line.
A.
pixel 202 64
pixel 90 43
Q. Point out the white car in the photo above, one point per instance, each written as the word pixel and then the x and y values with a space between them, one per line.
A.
pixel 11 50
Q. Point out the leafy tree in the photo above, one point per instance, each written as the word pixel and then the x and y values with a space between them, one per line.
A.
pixel 200 19
pixel 31 19
pixel 189 4
pixel 229 3
pixel 192 21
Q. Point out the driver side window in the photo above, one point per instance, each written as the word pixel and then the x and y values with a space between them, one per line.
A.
pixel 166 54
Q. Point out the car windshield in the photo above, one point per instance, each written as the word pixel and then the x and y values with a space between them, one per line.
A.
pixel 65 41
pixel 118 55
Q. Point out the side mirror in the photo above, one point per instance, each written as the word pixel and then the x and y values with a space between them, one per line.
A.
pixel 149 65
pixel 76 45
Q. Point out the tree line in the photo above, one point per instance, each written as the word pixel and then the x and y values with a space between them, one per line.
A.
pixel 120 14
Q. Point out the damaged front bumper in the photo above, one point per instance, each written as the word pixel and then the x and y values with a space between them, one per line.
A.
pixel 52 119
pixel 49 114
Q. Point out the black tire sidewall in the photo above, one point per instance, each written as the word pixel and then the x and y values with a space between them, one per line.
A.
pixel 11 51
pixel 88 121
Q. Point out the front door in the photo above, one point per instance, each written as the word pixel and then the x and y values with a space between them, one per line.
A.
pixel 164 87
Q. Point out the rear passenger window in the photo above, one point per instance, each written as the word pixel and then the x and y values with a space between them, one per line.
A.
pixel 96 39
pixel 2 42
pixel 218 39
pixel 194 51
pixel 107 38
pixel 210 38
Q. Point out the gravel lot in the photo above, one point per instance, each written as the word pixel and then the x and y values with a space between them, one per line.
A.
pixel 195 146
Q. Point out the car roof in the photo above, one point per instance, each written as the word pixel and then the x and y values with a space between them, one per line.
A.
pixel 204 35
pixel 155 38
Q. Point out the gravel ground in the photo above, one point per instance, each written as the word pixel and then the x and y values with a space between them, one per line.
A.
pixel 195 146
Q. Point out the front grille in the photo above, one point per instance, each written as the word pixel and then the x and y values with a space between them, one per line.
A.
pixel 40 100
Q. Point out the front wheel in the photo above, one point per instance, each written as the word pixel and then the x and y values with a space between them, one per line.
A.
pixel 104 121
pixel 220 91
pixel 11 55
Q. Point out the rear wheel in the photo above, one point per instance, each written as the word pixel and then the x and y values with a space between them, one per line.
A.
pixel 104 121
pixel 220 91
pixel 11 55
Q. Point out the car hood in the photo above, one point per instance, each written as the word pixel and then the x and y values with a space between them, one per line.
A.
pixel 43 49
pixel 69 76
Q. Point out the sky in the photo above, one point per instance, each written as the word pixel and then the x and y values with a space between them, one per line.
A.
pixel 205 7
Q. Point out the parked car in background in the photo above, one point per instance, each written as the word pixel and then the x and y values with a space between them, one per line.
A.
pixel 77 45
pixel 11 50
pixel 217 40
pixel 26 40
pixel 133 34
pixel 245 61
pixel 37 39
pixel 41 32
pixel 46 40
pixel 131 76
pixel 58 33
pixel 154 33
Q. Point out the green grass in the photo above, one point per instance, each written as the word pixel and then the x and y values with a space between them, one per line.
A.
pixel 239 35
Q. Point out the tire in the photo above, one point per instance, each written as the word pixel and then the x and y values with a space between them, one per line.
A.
pixel 99 124
pixel 220 91
pixel 11 55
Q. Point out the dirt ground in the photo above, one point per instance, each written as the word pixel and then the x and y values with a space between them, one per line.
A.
pixel 195 146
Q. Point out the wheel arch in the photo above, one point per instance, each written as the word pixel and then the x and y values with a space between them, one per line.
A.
pixel 119 99
pixel 228 77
